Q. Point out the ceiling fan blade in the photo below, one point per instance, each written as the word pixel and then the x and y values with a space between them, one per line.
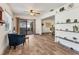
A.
pixel 37 13
pixel 32 12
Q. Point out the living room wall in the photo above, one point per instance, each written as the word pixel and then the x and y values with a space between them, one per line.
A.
pixel 3 34
pixel 64 33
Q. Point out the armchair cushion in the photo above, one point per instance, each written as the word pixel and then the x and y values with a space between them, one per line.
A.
pixel 15 39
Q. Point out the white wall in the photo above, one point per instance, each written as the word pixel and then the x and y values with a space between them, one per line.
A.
pixel 38 26
pixel 39 21
pixel 61 17
pixel 3 41
pixel 3 34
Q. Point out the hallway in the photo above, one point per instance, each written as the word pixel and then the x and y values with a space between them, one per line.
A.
pixel 40 45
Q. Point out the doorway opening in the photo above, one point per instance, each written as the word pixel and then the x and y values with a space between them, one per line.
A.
pixel 48 25
pixel 31 26
pixel 23 26
pixel 27 26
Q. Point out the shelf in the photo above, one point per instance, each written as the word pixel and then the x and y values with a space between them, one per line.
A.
pixel 67 39
pixel 66 31
pixel 67 23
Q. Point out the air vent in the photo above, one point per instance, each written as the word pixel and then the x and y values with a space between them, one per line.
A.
pixel 71 5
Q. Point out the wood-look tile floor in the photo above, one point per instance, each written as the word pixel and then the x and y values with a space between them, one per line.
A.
pixel 40 45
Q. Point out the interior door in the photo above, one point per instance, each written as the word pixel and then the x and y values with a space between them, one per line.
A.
pixel 23 27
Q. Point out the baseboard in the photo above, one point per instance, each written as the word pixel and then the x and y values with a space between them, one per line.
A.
pixel 46 33
pixel 69 48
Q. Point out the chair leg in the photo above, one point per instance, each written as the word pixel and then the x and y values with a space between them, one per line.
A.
pixel 9 47
pixel 14 47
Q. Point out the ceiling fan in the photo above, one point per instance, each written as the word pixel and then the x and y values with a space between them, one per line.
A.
pixel 33 12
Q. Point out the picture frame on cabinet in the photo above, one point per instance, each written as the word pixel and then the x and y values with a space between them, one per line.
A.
pixel 61 9
pixel 68 21
pixel 75 28
pixel 75 20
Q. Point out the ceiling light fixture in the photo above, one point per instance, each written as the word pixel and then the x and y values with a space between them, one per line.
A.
pixel 32 14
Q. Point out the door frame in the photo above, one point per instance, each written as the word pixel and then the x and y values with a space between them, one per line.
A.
pixel 17 28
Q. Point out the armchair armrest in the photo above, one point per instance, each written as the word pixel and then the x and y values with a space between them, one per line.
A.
pixel 21 35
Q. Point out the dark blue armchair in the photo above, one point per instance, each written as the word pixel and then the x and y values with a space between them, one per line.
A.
pixel 15 39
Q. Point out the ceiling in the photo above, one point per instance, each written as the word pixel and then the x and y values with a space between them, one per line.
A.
pixel 20 8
